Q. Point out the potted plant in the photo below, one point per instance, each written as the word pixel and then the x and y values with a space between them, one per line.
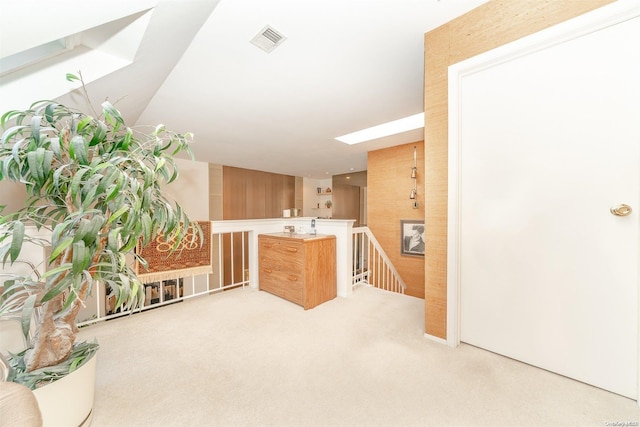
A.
pixel 96 186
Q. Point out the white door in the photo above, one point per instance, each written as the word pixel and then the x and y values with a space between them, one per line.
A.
pixel 548 142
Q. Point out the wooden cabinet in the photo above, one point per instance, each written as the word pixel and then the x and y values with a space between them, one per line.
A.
pixel 300 268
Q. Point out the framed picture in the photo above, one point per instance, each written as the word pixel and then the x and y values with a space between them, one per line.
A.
pixel 412 237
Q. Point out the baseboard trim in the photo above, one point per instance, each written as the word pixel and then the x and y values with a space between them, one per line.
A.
pixel 436 339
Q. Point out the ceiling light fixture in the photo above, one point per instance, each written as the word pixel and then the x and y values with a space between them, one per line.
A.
pixel 390 128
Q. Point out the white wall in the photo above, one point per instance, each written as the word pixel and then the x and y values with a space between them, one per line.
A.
pixel 311 198
pixel 191 189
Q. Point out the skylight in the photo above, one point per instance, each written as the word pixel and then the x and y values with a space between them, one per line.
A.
pixel 386 129
pixel 95 51
pixel 30 56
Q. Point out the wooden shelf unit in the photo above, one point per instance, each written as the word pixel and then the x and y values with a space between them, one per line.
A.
pixel 321 199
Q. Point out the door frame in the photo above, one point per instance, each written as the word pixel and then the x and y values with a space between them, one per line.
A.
pixel 606 16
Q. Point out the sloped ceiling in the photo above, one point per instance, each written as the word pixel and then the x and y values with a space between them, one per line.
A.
pixel 345 65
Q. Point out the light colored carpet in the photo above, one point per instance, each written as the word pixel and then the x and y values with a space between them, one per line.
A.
pixel 248 358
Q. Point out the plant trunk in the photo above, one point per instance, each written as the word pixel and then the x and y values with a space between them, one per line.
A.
pixel 55 338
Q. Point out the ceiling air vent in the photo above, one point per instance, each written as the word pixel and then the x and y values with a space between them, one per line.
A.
pixel 268 39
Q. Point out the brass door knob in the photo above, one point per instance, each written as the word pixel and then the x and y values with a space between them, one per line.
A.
pixel 621 210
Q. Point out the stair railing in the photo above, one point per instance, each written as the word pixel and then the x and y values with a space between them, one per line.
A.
pixel 371 265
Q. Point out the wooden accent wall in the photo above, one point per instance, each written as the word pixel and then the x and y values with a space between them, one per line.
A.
pixel 215 192
pixel 251 194
pixel 389 184
pixel 346 202
pixel 13 196
pixel 491 25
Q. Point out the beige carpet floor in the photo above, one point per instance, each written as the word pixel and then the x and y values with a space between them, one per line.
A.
pixel 247 358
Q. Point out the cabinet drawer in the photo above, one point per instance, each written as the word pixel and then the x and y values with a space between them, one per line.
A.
pixel 295 266
pixel 280 247
pixel 288 279
pixel 282 277
pixel 294 291
pixel 269 260
pixel 271 281
pixel 277 261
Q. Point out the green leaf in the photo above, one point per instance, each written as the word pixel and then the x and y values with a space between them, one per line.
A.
pixel 84 122
pixel 174 176
pixel 57 174
pixel 15 150
pixel 159 129
pixel 16 240
pixel 90 197
pixel 117 214
pixel 116 188
pixel 11 169
pixel 34 167
pixel 81 257
pixel 46 164
pixel 55 146
pixel 11 133
pixel 49 112
pixel 113 240
pixel 27 314
pixel 59 288
pixel 61 228
pixel 80 149
pixel 93 230
pixel 124 289
pixel 60 247
pixel 81 231
pixel 75 183
pixel 35 128
pixel 112 114
pixel 145 221
pixel 68 302
pixel 107 179
pixel 99 135
pixel 130 244
pixel 126 141
pixel 57 270
pixel 72 77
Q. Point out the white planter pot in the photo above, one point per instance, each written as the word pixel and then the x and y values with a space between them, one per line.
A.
pixel 69 401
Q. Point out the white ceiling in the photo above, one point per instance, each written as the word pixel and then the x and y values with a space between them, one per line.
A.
pixel 345 65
